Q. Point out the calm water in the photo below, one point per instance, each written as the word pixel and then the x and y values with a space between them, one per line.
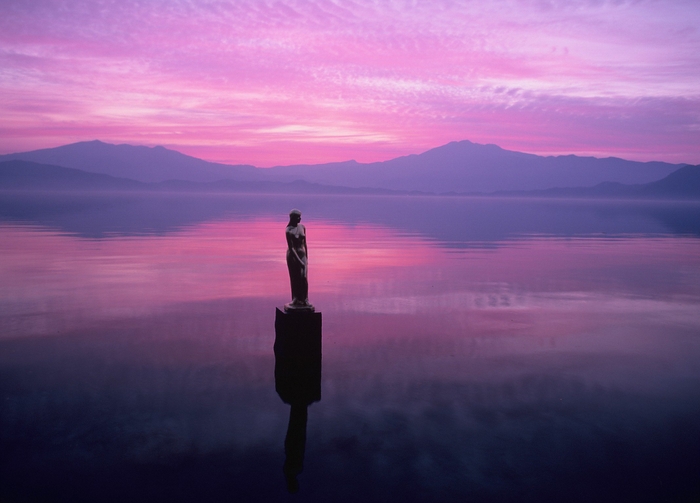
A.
pixel 473 349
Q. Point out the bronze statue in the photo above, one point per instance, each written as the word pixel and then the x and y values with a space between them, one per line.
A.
pixel 297 263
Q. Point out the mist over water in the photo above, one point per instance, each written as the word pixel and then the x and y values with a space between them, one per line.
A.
pixel 449 219
pixel 492 349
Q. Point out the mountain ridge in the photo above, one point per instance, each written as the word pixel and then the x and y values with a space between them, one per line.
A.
pixel 683 183
pixel 137 162
pixel 19 175
pixel 459 166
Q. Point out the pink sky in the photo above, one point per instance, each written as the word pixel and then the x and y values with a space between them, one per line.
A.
pixel 292 81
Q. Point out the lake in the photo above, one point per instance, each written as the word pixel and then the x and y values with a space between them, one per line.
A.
pixel 475 349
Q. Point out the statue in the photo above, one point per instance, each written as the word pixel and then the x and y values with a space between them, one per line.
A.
pixel 297 263
pixel 297 352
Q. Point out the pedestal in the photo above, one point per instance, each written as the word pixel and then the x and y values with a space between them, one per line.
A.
pixel 298 336
pixel 297 380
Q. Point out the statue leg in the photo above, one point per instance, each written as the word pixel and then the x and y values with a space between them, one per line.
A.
pixel 304 290
pixel 296 281
pixel 300 286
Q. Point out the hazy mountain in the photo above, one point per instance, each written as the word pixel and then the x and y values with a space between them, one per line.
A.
pixel 145 164
pixel 683 183
pixel 469 167
pixel 26 175
pixel 462 167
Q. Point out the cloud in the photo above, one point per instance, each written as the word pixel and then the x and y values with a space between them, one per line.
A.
pixel 413 74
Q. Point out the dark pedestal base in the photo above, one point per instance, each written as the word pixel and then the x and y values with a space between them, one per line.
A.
pixel 297 380
pixel 298 357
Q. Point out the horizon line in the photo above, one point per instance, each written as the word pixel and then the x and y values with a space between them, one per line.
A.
pixel 178 149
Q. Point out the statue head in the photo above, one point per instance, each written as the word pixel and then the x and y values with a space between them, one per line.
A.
pixel 295 216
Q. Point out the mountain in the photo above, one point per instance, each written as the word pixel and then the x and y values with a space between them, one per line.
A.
pixel 462 167
pixel 25 175
pixel 469 167
pixel 481 221
pixel 683 183
pixel 145 164
pixel 31 176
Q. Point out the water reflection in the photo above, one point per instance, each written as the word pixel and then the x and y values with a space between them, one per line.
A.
pixel 297 381
pixel 455 221
pixel 52 283
pixel 547 368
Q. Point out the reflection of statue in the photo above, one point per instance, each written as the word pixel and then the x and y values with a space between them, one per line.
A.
pixel 297 381
pixel 297 263
pixel 295 446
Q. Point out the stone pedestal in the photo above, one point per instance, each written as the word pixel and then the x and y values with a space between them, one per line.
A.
pixel 298 356
pixel 297 381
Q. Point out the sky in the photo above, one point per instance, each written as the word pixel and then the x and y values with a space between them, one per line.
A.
pixel 309 81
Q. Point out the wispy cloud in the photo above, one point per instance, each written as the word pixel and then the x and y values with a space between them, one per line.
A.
pixel 264 82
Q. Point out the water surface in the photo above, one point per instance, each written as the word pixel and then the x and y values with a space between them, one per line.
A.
pixel 497 350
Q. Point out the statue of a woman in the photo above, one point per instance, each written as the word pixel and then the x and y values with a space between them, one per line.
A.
pixel 297 263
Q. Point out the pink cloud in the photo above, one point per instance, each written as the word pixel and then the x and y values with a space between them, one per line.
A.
pixel 311 81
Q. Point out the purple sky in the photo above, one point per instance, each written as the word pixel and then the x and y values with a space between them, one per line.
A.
pixel 290 81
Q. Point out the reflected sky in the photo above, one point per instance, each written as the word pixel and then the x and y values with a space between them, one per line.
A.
pixel 547 367
pixel 453 221
pixel 360 268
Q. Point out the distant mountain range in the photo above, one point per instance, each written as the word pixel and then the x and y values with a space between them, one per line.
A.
pixel 684 183
pixel 144 164
pixel 467 167
pixel 32 176
pixel 460 167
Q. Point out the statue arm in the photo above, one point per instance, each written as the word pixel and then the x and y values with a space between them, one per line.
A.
pixel 290 245
pixel 306 250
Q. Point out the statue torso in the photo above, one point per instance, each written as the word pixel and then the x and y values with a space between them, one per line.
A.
pixel 296 236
